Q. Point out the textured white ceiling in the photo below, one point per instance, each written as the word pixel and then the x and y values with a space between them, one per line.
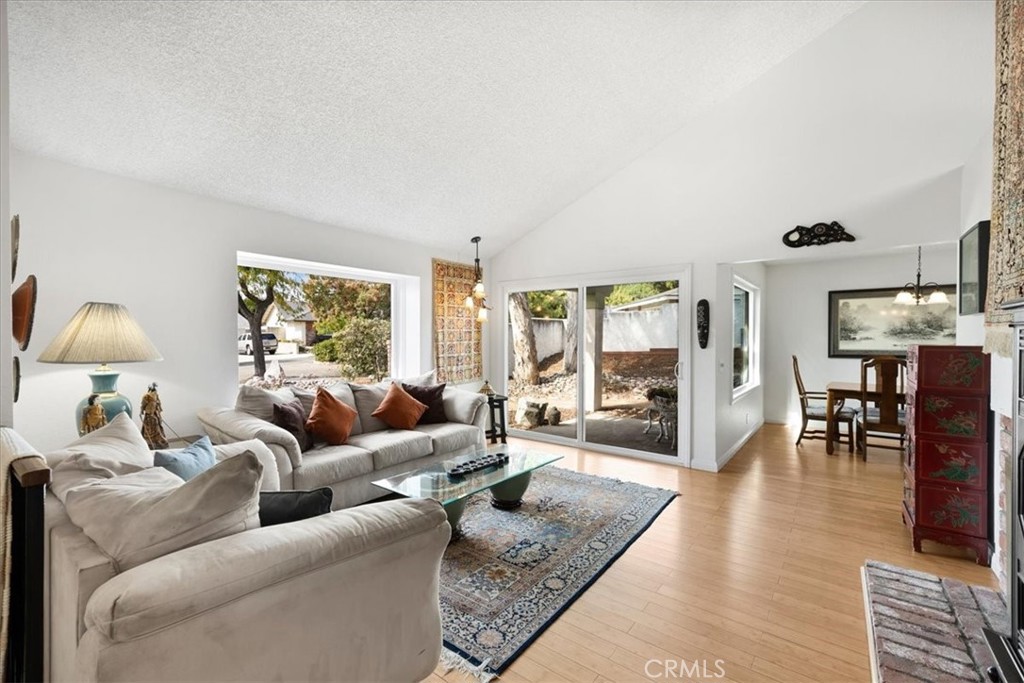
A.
pixel 427 121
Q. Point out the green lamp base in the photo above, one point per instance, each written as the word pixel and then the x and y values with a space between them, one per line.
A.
pixel 104 385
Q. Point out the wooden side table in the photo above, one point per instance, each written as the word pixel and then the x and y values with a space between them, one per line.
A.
pixel 496 403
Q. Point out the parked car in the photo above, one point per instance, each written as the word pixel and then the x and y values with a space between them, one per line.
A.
pixel 269 343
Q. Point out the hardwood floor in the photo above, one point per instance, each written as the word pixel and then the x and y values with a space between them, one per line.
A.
pixel 757 566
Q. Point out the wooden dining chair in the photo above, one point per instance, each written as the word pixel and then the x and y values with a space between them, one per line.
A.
pixel 815 411
pixel 882 414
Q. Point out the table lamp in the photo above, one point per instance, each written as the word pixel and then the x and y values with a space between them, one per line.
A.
pixel 101 333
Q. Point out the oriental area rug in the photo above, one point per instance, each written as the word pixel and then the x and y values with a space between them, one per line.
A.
pixel 926 628
pixel 512 572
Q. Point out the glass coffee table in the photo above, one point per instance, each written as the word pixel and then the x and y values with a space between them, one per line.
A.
pixel 507 481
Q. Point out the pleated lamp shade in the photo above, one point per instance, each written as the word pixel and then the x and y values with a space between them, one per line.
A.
pixel 101 333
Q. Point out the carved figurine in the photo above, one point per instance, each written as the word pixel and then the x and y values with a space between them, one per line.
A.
pixel 819 233
pixel 152 419
pixel 93 418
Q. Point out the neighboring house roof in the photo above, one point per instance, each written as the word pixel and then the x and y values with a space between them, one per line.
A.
pixel 275 315
pixel 669 296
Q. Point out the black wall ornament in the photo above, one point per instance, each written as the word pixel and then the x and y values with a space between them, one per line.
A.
pixel 819 233
pixel 703 322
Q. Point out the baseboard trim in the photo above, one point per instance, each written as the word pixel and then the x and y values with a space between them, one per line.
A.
pixel 723 459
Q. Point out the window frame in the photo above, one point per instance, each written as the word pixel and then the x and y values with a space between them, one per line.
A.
pixel 754 337
pixel 405 301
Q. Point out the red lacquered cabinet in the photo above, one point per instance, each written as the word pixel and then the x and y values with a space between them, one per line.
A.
pixel 946 487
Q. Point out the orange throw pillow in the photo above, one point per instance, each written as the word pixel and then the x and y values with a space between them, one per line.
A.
pixel 331 419
pixel 399 410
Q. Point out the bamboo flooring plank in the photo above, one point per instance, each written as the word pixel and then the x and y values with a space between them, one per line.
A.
pixel 560 664
pixel 529 668
pixel 593 661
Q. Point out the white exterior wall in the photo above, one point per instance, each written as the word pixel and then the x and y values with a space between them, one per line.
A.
pixel 654 328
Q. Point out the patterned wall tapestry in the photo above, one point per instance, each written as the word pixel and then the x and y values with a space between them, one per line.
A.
pixel 456 331
pixel 1006 249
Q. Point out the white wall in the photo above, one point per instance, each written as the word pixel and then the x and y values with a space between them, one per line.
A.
pixel 170 257
pixel 6 345
pixel 735 420
pixel 797 317
pixel 975 205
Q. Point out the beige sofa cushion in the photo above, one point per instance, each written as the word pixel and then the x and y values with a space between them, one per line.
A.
pixel 120 440
pixel 449 437
pixel 149 599
pixel 137 517
pixel 393 447
pixel 331 464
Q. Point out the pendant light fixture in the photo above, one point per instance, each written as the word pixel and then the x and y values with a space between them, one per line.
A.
pixel 477 298
pixel 913 293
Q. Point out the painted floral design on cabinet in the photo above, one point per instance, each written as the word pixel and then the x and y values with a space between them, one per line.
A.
pixel 961 423
pixel 957 512
pixel 957 465
pixel 961 370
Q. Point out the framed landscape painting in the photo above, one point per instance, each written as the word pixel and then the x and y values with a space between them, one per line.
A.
pixel 866 322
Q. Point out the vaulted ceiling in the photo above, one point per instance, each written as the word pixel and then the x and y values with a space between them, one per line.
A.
pixel 436 121
pixel 426 121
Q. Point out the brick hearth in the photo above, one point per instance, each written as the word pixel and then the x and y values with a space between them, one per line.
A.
pixel 927 628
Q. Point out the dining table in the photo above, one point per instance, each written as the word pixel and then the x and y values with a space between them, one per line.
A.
pixel 834 392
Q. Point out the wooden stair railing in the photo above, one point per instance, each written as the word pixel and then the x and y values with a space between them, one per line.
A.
pixel 29 477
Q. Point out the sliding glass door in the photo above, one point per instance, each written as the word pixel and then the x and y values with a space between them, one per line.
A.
pixel 542 361
pixel 600 364
pixel 630 361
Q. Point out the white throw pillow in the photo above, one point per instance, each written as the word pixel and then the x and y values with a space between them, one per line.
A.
pixel 120 440
pixel 135 518
pixel 462 406
pixel 368 398
pixel 260 402
pixel 83 469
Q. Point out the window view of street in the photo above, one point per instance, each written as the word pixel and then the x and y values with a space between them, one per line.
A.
pixel 311 327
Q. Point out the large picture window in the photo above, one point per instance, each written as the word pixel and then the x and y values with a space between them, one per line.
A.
pixel 745 361
pixel 323 321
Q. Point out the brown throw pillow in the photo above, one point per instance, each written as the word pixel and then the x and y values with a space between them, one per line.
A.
pixel 289 417
pixel 330 419
pixel 399 410
pixel 431 396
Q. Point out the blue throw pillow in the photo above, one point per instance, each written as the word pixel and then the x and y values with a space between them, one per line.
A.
pixel 187 462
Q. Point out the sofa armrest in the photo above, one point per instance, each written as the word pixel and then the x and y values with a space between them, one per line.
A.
pixel 466 407
pixel 226 425
pixel 188 583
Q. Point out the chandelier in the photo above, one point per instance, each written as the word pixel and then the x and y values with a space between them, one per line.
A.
pixel 913 293
pixel 477 299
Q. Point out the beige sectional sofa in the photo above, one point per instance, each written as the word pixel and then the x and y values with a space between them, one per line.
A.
pixel 373 451
pixel 346 596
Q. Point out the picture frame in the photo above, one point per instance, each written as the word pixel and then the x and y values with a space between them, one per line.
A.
pixel 866 322
pixel 973 284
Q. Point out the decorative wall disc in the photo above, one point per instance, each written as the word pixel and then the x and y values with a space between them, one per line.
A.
pixel 23 311
pixel 17 378
pixel 819 233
